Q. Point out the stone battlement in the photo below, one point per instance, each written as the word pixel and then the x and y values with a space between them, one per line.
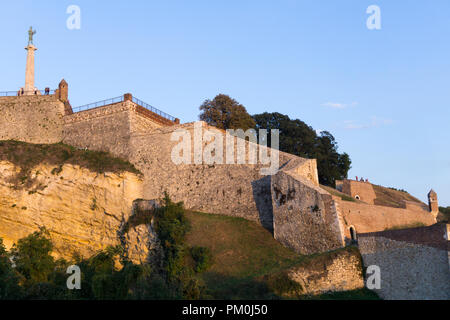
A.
pixel 130 131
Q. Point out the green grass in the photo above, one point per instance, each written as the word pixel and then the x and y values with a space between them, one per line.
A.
pixel 240 247
pixel 390 197
pixel 27 156
pixel 337 193
pixel 246 258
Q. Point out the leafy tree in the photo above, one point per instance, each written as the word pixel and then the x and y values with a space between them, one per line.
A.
pixel 297 138
pixel 172 227
pixel 224 112
pixel 9 280
pixel 32 257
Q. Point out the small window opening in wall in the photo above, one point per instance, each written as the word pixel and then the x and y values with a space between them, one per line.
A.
pixel 353 233
pixel 357 197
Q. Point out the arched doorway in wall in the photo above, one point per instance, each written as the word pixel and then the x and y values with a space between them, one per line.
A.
pixel 353 235
pixel 357 197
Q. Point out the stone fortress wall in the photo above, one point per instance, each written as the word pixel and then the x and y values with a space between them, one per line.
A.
pixel 357 189
pixel 371 218
pixel 127 130
pixel 100 129
pixel 302 215
pixel 33 119
pixel 363 214
pixel 414 263
pixel 237 190
pixel 305 217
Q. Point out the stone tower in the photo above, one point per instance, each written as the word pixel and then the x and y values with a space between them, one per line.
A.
pixel 63 91
pixel 433 202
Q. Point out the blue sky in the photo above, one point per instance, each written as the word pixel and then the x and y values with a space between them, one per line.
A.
pixel 384 94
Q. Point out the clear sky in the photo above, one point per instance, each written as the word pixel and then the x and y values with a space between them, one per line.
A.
pixel 384 94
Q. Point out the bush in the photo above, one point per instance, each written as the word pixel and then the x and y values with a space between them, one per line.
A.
pixel 32 257
pixel 202 258
pixel 172 227
pixel 9 280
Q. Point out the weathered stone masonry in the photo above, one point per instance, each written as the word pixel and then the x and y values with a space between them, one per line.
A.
pixel 130 131
pixel 414 263
pixel 34 119
pixel 305 218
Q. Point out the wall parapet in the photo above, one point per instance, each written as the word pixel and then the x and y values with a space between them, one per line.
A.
pixel 139 106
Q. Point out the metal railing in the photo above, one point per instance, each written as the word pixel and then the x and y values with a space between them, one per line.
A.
pixel 98 104
pixel 153 109
pixel 26 93
pixel 121 99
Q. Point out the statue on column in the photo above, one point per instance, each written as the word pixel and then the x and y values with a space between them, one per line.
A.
pixel 31 33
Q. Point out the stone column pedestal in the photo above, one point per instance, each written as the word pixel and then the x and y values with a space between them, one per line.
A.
pixel 29 88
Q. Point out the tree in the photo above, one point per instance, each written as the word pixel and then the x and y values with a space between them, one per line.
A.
pixel 297 138
pixel 9 281
pixel 224 112
pixel 32 257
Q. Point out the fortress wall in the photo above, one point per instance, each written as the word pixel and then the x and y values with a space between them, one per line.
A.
pixel 305 217
pixel 230 189
pixel 308 169
pixel 33 119
pixel 416 206
pixel 414 263
pixel 340 270
pixel 371 218
pixel 100 129
pixel 142 124
pixel 362 189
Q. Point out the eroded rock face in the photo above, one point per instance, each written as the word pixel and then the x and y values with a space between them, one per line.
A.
pixel 83 210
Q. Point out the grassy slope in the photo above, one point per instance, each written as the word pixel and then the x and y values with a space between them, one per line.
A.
pixel 392 198
pixel 27 155
pixel 385 196
pixel 337 193
pixel 243 253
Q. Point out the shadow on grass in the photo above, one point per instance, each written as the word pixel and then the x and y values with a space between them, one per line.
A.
pixel 222 287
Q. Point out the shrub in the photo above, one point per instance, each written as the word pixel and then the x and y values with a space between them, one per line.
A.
pixel 202 258
pixel 9 280
pixel 172 227
pixel 32 257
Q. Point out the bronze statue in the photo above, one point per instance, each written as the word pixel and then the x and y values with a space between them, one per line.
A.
pixel 30 35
